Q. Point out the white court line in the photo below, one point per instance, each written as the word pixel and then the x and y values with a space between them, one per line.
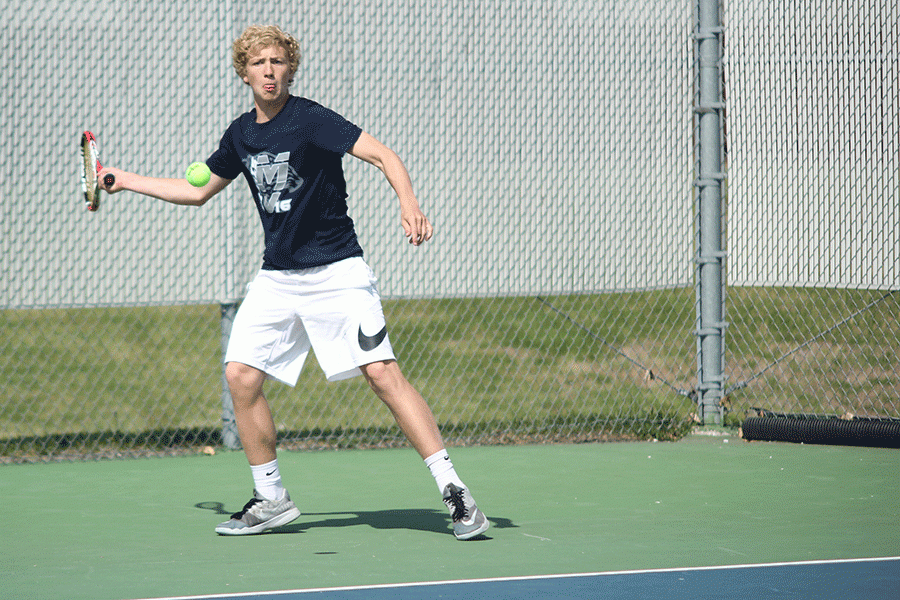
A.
pixel 382 586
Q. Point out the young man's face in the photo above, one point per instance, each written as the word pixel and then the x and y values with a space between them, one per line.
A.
pixel 268 73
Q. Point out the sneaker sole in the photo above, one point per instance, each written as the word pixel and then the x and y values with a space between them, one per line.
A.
pixel 276 521
pixel 470 534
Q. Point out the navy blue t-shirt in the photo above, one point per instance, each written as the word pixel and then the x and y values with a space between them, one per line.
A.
pixel 293 166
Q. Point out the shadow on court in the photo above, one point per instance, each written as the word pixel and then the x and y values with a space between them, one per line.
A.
pixel 424 519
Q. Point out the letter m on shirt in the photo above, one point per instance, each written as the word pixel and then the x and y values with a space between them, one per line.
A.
pixel 271 175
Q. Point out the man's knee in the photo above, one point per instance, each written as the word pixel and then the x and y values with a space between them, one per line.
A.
pixel 243 378
pixel 383 376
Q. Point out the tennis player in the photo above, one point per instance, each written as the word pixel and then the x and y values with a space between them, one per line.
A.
pixel 314 290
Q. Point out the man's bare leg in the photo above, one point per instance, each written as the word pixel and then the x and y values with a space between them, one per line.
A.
pixel 271 505
pixel 415 418
pixel 409 408
pixel 255 424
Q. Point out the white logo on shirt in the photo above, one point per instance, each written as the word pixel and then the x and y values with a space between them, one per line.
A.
pixel 274 176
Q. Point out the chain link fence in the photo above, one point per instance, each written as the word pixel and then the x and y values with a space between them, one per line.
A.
pixel 813 211
pixel 550 143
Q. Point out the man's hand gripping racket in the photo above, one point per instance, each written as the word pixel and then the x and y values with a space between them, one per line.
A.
pixel 90 184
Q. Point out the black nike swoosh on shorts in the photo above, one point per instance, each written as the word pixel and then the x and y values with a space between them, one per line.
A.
pixel 370 342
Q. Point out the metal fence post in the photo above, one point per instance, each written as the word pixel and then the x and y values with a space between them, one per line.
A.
pixel 709 107
pixel 229 428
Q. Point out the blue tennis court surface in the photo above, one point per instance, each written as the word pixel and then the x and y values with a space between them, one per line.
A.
pixel 869 579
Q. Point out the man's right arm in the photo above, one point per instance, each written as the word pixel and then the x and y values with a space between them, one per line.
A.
pixel 175 191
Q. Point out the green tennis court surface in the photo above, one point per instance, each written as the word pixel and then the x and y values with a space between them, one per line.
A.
pixel 143 528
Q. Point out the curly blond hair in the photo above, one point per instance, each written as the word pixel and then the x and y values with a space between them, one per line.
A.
pixel 257 37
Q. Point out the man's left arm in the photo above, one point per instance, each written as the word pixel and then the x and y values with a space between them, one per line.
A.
pixel 415 223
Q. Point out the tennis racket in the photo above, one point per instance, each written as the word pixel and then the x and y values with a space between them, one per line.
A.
pixel 90 158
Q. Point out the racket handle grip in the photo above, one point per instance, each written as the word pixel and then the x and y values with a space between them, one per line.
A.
pixel 108 180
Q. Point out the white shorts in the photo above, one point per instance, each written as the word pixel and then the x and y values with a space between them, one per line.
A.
pixel 334 309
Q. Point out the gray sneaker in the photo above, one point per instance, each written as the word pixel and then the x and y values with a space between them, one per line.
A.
pixel 258 515
pixel 468 521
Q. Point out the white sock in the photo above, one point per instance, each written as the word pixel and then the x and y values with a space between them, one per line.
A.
pixel 267 480
pixel 442 470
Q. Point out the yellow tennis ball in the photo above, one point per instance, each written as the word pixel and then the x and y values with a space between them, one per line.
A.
pixel 198 174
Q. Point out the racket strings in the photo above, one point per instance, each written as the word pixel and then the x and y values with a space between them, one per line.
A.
pixel 89 183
